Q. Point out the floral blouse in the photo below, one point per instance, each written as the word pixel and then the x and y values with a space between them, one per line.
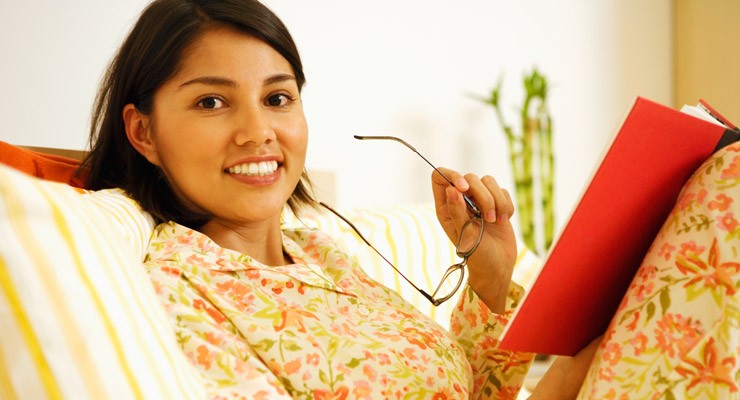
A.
pixel 321 328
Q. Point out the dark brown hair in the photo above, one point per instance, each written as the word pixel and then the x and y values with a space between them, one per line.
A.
pixel 149 56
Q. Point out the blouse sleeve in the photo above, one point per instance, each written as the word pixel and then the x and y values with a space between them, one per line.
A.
pixel 497 373
pixel 229 367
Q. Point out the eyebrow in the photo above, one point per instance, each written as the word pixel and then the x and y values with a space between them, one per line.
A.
pixel 221 81
pixel 279 78
pixel 210 81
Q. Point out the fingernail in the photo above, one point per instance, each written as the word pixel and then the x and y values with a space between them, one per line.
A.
pixel 503 217
pixel 491 216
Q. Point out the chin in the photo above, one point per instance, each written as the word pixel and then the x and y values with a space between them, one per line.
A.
pixel 263 210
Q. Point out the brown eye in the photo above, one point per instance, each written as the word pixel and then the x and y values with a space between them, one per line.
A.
pixel 278 100
pixel 211 103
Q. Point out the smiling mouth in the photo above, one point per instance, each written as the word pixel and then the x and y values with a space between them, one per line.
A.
pixel 263 168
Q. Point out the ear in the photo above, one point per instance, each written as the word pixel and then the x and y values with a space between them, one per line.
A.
pixel 139 133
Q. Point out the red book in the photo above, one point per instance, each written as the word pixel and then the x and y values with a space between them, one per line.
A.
pixel 592 262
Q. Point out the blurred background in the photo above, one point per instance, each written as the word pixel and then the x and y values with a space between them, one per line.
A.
pixel 410 69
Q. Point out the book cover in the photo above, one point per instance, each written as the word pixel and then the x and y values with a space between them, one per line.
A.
pixel 597 253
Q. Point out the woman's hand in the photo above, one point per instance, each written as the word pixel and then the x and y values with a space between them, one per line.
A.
pixel 491 265
pixel 564 378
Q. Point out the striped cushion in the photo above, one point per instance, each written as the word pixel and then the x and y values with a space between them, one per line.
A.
pixel 79 317
pixel 411 238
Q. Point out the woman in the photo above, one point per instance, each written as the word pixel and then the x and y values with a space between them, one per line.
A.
pixel 200 119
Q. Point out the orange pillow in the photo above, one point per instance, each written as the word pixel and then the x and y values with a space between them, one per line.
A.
pixel 45 166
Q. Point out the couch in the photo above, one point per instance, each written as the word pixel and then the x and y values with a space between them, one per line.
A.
pixel 81 320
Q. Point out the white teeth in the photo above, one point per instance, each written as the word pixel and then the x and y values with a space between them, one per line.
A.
pixel 255 169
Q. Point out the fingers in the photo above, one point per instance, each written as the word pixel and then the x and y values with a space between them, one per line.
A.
pixel 494 203
pixel 439 183
pixel 448 199
pixel 502 206
pixel 512 209
pixel 456 208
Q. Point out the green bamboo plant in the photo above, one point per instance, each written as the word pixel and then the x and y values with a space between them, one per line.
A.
pixel 532 161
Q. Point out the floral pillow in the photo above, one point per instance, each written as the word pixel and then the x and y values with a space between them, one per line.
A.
pixel 676 333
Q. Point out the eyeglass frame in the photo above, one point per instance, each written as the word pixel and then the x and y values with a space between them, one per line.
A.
pixel 475 218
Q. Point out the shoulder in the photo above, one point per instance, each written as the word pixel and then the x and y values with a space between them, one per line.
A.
pixel 307 237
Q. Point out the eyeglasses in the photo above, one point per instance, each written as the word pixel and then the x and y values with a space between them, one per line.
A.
pixel 472 229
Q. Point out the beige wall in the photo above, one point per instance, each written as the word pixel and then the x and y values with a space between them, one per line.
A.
pixel 707 39
pixel 405 68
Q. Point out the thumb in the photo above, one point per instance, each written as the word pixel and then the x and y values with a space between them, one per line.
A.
pixel 456 207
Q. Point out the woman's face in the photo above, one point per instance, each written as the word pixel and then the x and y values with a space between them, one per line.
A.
pixel 228 129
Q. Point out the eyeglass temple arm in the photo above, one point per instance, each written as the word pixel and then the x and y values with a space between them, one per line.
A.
pixel 471 205
pixel 357 231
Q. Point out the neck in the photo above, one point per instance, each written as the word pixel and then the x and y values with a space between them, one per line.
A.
pixel 262 240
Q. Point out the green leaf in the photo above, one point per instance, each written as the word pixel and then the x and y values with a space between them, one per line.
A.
pixel 633 361
pixel 333 347
pixel 354 363
pixel 496 382
pixel 665 300
pixel 265 344
pixel 292 346
pixel 650 310
pixel 694 291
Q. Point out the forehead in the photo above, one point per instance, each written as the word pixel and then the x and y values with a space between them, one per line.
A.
pixel 226 50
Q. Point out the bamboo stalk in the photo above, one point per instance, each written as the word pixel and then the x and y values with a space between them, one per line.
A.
pixel 547 169
pixel 532 161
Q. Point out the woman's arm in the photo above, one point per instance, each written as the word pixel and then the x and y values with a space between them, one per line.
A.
pixel 491 265
pixel 491 297
pixel 564 378
pixel 497 373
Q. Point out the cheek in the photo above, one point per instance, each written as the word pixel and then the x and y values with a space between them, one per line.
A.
pixel 179 131
pixel 181 147
pixel 295 138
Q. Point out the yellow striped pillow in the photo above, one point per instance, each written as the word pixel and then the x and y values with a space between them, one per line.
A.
pixel 411 238
pixel 79 317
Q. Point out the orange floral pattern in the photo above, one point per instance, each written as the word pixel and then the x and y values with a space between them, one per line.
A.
pixel 676 333
pixel 321 328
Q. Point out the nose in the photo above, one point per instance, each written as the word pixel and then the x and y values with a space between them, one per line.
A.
pixel 253 126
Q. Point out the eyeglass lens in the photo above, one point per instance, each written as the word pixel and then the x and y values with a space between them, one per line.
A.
pixel 470 237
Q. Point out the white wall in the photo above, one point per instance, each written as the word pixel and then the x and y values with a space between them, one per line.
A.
pixel 53 56
pixel 404 68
